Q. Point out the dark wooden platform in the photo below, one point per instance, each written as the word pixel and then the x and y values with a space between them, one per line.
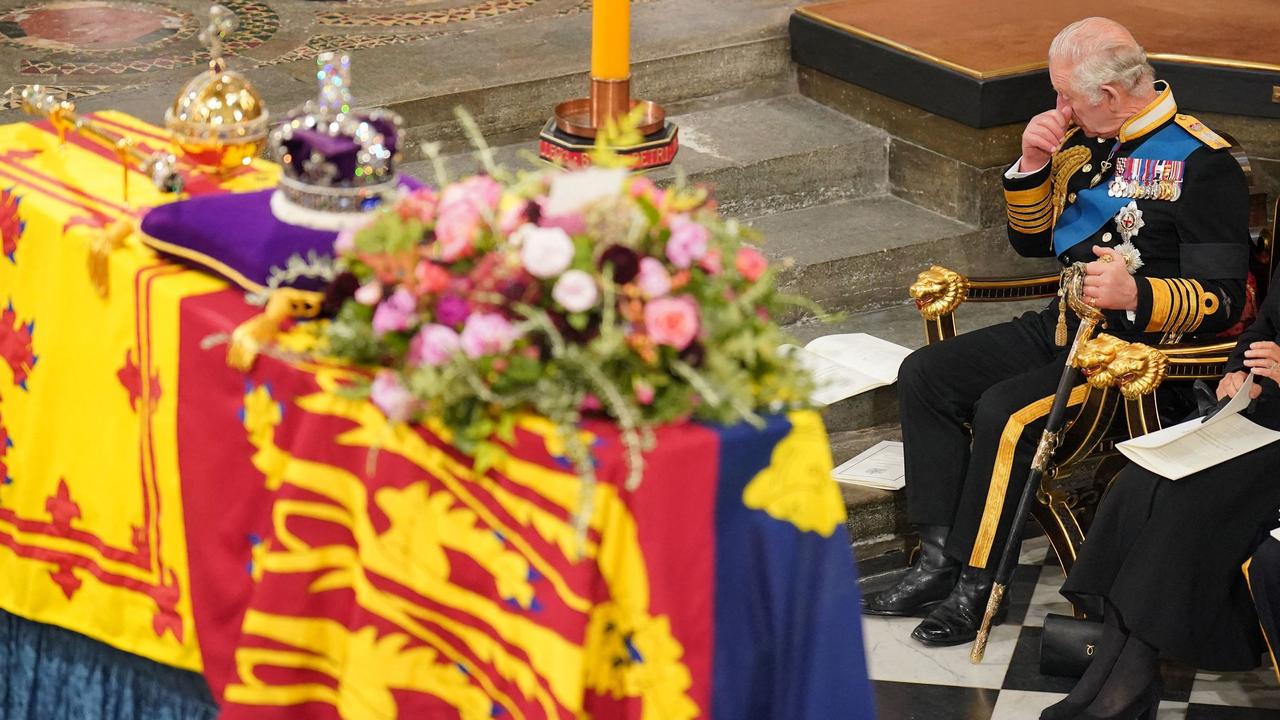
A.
pixel 983 63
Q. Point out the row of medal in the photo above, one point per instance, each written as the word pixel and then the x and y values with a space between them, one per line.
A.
pixel 1147 179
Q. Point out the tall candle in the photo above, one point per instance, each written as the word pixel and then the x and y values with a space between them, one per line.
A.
pixel 611 39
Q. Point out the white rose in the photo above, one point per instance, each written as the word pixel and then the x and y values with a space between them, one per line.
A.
pixel 545 252
pixel 576 291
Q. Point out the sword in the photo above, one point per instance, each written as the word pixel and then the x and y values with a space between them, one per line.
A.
pixel 1070 292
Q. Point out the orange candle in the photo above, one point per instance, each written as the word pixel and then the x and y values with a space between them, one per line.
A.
pixel 611 39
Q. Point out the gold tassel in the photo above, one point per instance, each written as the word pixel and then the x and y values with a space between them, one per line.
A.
pixel 249 337
pixel 1060 332
pixel 100 249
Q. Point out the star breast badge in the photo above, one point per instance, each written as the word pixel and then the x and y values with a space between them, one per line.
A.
pixel 1129 221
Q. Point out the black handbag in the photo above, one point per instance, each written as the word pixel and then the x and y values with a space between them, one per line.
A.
pixel 1067 645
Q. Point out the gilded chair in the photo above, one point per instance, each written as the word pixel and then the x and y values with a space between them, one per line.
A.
pixel 1086 459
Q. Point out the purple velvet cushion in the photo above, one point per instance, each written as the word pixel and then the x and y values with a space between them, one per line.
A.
pixel 236 236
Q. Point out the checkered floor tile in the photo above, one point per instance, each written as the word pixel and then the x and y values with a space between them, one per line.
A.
pixel 913 682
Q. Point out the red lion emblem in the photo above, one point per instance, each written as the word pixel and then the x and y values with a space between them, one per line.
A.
pixel 11 225
pixel 15 345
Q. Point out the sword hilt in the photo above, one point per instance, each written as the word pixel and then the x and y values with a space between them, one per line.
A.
pixel 980 642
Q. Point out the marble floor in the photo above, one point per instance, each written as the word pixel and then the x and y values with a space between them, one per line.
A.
pixel 913 682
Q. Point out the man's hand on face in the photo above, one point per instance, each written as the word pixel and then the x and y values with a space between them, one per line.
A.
pixel 1043 136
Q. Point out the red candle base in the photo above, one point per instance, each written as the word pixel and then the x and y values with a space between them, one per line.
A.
pixel 658 148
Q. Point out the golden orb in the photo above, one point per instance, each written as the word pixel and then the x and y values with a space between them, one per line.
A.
pixel 218 120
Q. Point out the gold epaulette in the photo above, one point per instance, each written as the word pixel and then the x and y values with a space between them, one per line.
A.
pixel 1178 305
pixel 1201 132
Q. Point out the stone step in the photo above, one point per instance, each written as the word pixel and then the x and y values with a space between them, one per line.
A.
pixel 899 324
pixel 759 155
pixel 876 519
pixel 862 254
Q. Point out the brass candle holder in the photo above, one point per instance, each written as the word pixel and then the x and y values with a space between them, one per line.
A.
pixel 569 136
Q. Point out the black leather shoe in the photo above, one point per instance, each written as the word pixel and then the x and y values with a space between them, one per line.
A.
pixel 956 620
pixel 924 585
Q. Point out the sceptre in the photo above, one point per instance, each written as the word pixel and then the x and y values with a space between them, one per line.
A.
pixel 158 166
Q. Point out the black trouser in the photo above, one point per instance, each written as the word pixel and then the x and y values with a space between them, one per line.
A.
pixel 1000 381
pixel 1263 573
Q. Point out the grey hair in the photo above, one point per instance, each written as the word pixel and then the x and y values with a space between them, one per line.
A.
pixel 1102 52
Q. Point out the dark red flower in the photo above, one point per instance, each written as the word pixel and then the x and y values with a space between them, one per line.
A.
pixel 339 291
pixel 694 354
pixel 624 261
pixel 520 288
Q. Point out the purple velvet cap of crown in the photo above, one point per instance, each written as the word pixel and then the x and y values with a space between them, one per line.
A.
pixel 236 236
pixel 340 150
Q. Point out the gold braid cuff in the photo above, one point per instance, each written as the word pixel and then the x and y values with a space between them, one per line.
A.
pixel 1178 306
pixel 1030 211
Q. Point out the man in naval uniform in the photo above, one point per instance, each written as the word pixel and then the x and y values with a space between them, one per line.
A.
pixel 1157 206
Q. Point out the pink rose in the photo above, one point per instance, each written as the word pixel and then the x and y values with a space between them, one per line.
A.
pixel 643 187
pixel 487 334
pixel 576 291
pixel 654 280
pixel 515 215
pixel 369 293
pixel 433 345
pixel 711 262
pixel 750 263
pixel 391 396
pixel 456 231
pixel 688 241
pixel 463 207
pixel 395 313
pixel 545 252
pixel 671 321
pixel 480 192
pixel 431 278
pixel 644 391
pixel 572 223
pixel 419 204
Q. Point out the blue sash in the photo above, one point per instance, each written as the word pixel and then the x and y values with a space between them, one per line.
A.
pixel 1093 208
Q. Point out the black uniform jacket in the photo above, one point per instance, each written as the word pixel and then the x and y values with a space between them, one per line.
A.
pixel 1265 328
pixel 1194 250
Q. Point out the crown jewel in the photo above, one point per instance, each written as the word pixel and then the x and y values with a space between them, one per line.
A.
pixel 338 163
